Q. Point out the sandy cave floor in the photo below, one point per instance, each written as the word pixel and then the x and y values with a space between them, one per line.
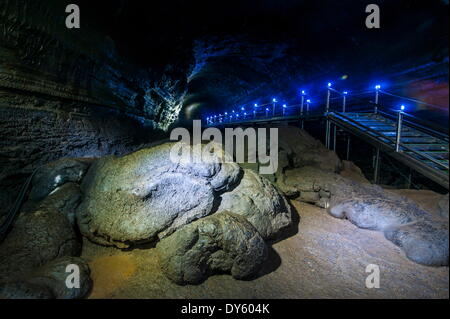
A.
pixel 326 258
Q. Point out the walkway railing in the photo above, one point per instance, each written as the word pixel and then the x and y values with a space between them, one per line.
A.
pixel 391 126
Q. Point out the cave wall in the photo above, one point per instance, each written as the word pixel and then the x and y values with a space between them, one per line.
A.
pixel 68 93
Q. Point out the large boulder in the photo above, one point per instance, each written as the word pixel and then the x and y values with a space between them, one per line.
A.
pixel 148 194
pixel 223 242
pixel 36 238
pixel 260 203
pixel 50 176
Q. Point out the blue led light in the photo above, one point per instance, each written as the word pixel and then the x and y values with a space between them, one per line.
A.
pixel 329 84
pixel 267 109
pixel 402 107
pixel 226 113
pixel 242 108
pixel 377 87
pixel 308 101
pixel 256 105
pixel 303 92
pixel 274 100
pixel 284 105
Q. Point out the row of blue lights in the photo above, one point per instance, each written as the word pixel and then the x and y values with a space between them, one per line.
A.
pixel 274 100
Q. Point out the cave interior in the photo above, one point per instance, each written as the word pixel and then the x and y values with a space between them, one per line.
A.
pixel 86 116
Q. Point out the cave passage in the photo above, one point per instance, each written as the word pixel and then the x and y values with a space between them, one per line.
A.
pixel 224 149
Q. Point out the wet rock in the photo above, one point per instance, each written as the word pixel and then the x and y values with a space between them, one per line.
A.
pixel 55 174
pixel 260 203
pixel 223 242
pixel 424 241
pixel 35 239
pixel 146 194
pixel 55 275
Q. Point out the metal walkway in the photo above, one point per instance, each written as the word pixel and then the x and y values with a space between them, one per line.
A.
pixel 393 132
pixel 426 153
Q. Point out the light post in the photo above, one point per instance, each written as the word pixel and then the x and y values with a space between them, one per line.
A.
pixel 302 102
pixel 344 98
pixel 328 123
pixel 377 95
pixel 308 102
pixel 274 101
pixel 399 128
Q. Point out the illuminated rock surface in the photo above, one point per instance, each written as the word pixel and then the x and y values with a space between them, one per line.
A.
pixel 144 195
pixel 326 258
pixel 55 174
pixel 422 236
pixel 223 243
pixel 260 203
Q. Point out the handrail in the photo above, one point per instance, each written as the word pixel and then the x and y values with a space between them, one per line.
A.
pixel 394 142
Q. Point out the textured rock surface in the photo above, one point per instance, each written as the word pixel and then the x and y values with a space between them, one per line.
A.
pixel 423 241
pixel 24 290
pixel 36 132
pixel 327 258
pixel 53 276
pixel 49 177
pixel 70 93
pixel 50 281
pixel 65 199
pixel 223 242
pixel 260 203
pixel 81 66
pixel 443 206
pixel 144 195
pixel 298 149
pixel 37 238
pixel 370 207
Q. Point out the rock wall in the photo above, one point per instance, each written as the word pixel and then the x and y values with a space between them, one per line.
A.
pixel 38 53
pixel 69 93
pixel 37 130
